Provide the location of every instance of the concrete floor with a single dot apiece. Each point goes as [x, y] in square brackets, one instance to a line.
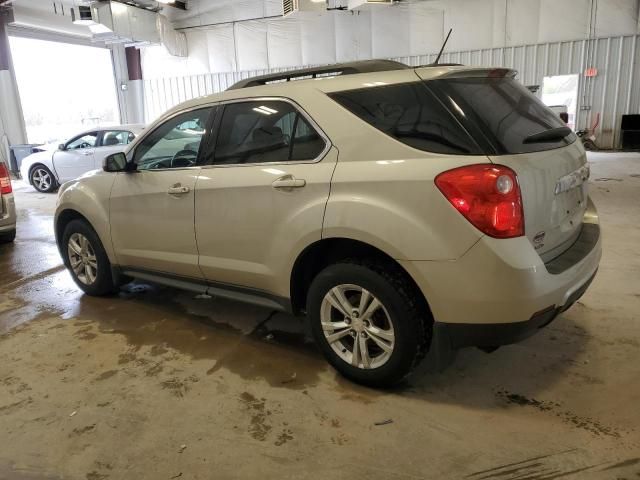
[160, 384]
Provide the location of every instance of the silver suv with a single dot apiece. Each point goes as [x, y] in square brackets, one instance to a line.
[400, 209]
[7, 206]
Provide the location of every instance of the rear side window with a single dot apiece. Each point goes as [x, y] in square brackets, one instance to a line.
[507, 114]
[410, 113]
[265, 132]
[117, 137]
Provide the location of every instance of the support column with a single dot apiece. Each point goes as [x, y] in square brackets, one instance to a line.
[127, 70]
[12, 127]
[135, 87]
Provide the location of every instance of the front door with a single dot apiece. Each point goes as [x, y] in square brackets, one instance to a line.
[76, 158]
[152, 208]
[262, 195]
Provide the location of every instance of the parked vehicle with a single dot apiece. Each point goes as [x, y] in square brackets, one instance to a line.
[7, 206]
[401, 209]
[48, 169]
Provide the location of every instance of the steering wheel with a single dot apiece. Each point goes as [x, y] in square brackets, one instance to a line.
[179, 159]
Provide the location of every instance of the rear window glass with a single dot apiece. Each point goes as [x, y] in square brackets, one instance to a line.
[504, 110]
[410, 113]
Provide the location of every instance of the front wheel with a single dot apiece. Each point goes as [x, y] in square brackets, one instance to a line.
[86, 259]
[42, 179]
[368, 321]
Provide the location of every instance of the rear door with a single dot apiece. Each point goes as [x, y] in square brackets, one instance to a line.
[262, 194]
[526, 136]
[77, 157]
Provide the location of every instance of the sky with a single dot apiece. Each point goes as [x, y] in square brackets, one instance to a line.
[63, 88]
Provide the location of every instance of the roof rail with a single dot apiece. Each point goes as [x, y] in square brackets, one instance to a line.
[351, 68]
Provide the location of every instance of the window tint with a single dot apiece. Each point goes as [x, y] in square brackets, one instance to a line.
[117, 137]
[409, 113]
[85, 141]
[175, 143]
[265, 131]
[506, 112]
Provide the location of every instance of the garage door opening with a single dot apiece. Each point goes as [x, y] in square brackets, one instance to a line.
[64, 88]
[560, 92]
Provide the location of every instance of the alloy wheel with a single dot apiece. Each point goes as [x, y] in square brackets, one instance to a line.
[82, 258]
[41, 179]
[357, 326]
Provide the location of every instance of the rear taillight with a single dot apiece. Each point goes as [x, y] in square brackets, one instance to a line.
[5, 180]
[488, 196]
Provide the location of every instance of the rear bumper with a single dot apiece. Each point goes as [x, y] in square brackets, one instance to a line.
[501, 291]
[459, 335]
[7, 213]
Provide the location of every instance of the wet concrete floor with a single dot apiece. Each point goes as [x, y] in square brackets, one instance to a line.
[157, 383]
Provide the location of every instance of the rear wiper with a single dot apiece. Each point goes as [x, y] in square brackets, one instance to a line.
[548, 135]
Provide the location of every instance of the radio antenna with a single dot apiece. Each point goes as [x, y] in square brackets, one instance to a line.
[442, 49]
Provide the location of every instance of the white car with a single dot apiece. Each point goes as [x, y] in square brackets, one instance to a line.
[49, 169]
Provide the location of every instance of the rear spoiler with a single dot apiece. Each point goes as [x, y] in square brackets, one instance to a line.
[474, 72]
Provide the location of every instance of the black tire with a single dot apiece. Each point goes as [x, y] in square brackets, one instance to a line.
[35, 173]
[103, 283]
[410, 317]
[8, 237]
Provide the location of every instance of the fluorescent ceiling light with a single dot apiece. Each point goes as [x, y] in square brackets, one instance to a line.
[265, 110]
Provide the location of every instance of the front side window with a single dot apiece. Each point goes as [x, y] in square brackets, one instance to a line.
[117, 137]
[265, 132]
[85, 141]
[411, 114]
[175, 143]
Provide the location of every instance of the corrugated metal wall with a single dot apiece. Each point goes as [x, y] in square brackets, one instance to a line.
[613, 92]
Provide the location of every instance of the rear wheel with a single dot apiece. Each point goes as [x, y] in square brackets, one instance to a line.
[86, 259]
[8, 237]
[42, 179]
[368, 322]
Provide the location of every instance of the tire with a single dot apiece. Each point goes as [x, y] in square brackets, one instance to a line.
[8, 237]
[93, 274]
[590, 145]
[42, 179]
[402, 323]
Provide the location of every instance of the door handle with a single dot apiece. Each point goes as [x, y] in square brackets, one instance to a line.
[86, 153]
[289, 181]
[178, 190]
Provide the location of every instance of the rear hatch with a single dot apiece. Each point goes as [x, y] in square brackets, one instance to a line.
[517, 130]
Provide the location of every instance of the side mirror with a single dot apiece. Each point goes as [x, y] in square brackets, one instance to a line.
[61, 147]
[116, 162]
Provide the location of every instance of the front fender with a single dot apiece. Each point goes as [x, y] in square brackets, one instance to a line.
[89, 197]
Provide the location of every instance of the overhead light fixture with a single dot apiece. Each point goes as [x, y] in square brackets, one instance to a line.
[99, 28]
[166, 1]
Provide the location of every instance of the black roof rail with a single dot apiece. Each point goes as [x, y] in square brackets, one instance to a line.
[351, 68]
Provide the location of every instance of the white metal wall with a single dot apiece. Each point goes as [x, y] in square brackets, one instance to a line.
[613, 92]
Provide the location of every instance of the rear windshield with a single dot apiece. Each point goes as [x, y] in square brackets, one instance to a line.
[506, 112]
[410, 113]
[463, 116]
